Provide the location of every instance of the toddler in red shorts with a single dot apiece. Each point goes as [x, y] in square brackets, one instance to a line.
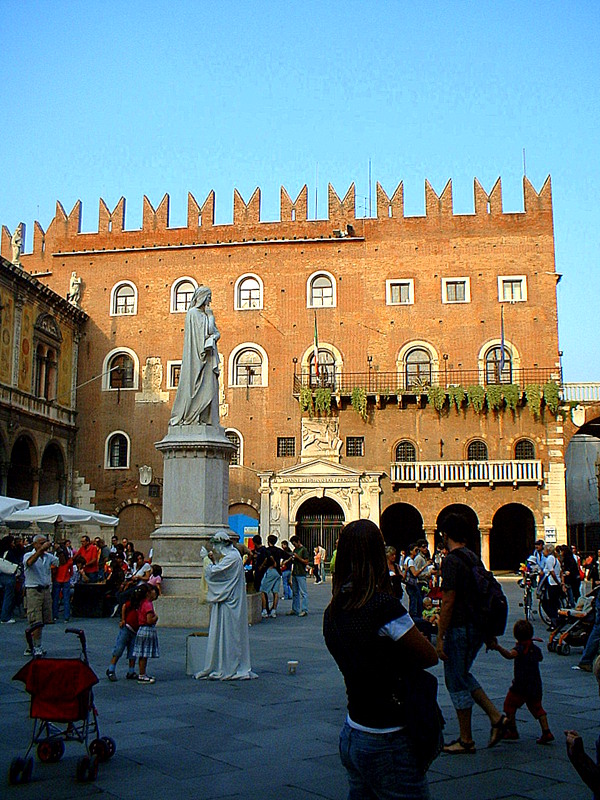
[526, 687]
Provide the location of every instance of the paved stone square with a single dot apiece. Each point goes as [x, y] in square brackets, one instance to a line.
[276, 737]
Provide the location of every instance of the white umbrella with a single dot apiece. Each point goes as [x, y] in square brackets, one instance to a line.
[10, 504]
[57, 512]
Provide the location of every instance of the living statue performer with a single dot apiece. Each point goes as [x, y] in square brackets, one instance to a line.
[228, 649]
[197, 399]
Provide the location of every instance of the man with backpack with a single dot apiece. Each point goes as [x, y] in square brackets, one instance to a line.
[471, 614]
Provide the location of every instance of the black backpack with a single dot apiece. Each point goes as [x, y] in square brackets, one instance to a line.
[491, 607]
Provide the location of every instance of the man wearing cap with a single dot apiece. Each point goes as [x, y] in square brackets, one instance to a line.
[538, 555]
[228, 647]
[38, 564]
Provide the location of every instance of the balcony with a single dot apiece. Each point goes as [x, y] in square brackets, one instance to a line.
[392, 383]
[466, 473]
[581, 392]
[36, 406]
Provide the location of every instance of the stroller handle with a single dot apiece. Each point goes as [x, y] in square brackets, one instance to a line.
[78, 632]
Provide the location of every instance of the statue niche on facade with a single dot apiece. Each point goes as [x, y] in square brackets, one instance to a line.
[197, 399]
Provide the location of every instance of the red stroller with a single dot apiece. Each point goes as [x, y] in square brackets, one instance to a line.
[62, 709]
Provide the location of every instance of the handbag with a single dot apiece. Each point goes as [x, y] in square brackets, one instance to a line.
[540, 591]
[7, 567]
[417, 696]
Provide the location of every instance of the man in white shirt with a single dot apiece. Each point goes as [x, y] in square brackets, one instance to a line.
[38, 563]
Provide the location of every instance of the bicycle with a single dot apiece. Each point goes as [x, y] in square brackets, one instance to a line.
[527, 583]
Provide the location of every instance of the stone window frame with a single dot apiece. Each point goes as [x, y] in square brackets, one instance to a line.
[174, 287]
[106, 387]
[282, 443]
[389, 284]
[240, 449]
[522, 279]
[471, 455]
[355, 442]
[405, 442]
[107, 444]
[452, 280]
[401, 364]
[232, 364]
[490, 344]
[309, 289]
[237, 303]
[524, 441]
[171, 386]
[114, 296]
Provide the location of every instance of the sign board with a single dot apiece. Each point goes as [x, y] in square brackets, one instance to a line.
[550, 535]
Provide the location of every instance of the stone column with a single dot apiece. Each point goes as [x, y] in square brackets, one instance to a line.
[484, 531]
[429, 531]
[265, 504]
[285, 513]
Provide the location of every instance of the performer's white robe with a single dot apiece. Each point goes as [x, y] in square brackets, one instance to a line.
[228, 651]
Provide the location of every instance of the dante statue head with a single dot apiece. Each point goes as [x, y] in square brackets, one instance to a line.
[201, 296]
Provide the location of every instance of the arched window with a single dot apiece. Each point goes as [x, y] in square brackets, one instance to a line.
[321, 290]
[418, 368]
[524, 450]
[248, 293]
[406, 451]
[181, 294]
[477, 451]
[121, 369]
[236, 440]
[46, 364]
[323, 373]
[248, 368]
[123, 300]
[117, 451]
[497, 369]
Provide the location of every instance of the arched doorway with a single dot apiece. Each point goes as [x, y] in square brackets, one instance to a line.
[319, 521]
[52, 478]
[401, 525]
[20, 472]
[471, 524]
[137, 522]
[512, 537]
[242, 516]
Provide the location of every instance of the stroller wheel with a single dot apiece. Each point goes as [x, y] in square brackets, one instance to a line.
[16, 770]
[111, 746]
[566, 649]
[98, 748]
[58, 750]
[45, 751]
[551, 646]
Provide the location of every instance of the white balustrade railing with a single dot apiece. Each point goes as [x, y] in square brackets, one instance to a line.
[466, 472]
[581, 392]
[36, 405]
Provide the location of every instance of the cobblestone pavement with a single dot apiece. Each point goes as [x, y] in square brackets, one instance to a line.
[276, 737]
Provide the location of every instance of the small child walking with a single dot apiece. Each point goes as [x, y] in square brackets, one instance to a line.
[146, 640]
[526, 687]
[128, 628]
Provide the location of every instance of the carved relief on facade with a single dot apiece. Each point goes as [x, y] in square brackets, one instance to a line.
[152, 377]
[320, 439]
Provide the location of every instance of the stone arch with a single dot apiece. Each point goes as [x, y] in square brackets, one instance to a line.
[137, 520]
[401, 525]
[471, 523]
[52, 474]
[512, 536]
[23, 464]
[339, 496]
[319, 520]
[243, 514]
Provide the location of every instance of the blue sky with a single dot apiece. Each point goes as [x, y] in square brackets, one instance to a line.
[103, 99]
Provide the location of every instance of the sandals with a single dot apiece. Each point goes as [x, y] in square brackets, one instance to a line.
[458, 747]
[497, 731]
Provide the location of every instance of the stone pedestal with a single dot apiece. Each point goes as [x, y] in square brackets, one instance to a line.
[195, 506]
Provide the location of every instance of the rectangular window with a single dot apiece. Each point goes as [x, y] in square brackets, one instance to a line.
[173, 371]
[456, 290]
[286, 446]
[355, 445]
[399, 292]
[512, 288]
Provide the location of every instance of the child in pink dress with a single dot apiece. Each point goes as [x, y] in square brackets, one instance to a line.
[146, 640]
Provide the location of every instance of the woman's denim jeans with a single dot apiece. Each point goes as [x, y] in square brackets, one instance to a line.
[381, 766]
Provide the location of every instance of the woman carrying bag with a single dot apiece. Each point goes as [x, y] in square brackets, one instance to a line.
[384, 744]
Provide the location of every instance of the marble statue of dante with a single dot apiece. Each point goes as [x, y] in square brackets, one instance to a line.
[197, 399]
[228, 648]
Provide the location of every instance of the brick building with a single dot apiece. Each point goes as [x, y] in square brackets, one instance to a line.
[438, 367]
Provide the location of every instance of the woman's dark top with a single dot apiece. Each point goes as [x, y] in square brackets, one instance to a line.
[371, 664]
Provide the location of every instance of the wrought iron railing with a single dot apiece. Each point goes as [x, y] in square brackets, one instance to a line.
[391, 383]
[466, 472]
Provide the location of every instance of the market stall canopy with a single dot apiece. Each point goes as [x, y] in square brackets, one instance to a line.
[10, 504]
[57, 512]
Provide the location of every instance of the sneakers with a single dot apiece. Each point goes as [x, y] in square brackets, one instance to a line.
[583, 667]
[273, 615]
[131, 676]
[38, 652]
[264, 613]
[110, 674]
[10, 621]
[146, 679]
[303, 614]
[545, 738]
[291, 614]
